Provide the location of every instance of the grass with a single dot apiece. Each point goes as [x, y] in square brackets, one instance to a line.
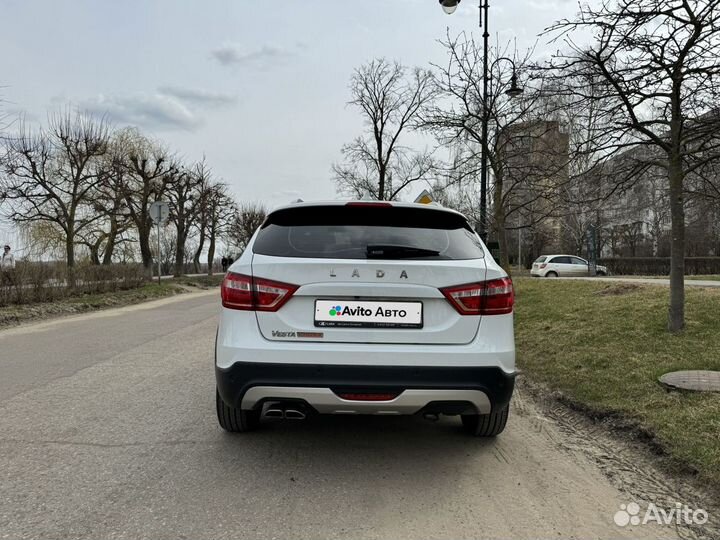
[16, 314]
[707, 277]
[603, 345]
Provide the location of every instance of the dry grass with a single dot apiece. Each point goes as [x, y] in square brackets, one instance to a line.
[21, 313]
[203, 282]
[605, 350]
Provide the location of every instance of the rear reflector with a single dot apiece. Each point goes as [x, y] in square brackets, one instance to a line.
[367, 396]
[494, 297]
[239, 291]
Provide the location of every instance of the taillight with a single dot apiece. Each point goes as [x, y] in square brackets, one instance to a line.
[239, 291]
[543, 265]
[494, 297]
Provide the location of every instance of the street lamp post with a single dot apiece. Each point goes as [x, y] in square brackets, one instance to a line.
[449, 7]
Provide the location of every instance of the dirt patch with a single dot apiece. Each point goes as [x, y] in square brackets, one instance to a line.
[628, 455]
[619, 289]
[200, 282]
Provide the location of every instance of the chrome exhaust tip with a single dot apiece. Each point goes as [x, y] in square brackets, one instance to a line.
[294, 414]
[274, 412]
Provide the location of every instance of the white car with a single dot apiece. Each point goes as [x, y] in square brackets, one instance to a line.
[365, 308]
[563, 266]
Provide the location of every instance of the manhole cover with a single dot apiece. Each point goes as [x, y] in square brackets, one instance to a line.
[697, 381]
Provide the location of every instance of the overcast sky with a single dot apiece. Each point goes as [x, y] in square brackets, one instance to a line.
[259, 87]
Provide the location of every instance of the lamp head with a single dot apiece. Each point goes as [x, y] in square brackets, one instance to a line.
[449, 6]
[514, 90]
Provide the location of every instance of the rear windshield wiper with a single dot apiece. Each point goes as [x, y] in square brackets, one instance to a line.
[380, 251]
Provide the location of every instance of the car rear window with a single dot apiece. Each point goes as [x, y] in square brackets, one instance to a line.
[540, 259]
[345, 232]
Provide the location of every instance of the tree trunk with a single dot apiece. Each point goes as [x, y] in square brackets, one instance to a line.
[211, 254]
[110, 245]
[381, 184]
[503, 246]
[95, 253]
[198, 252]
[676, 312]
[70, 258]
[146, 250]
[70, 251]
[499, 220]
[179, 253]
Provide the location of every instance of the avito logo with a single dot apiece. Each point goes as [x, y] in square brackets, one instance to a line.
[359, 311]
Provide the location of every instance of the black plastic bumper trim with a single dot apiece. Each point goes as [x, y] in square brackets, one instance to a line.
[234, 381]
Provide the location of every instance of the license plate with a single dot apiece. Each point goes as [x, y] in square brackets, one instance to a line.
[366, 314]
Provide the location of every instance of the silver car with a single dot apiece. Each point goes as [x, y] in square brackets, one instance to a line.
[365, 308]
[563, 266]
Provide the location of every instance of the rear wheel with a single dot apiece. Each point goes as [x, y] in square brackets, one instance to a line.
[551, 274]
[486, 425]
[235, 420]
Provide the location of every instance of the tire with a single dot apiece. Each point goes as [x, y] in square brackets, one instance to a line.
[235, 420]
[551, 274]
[601, 274]
[486, 425]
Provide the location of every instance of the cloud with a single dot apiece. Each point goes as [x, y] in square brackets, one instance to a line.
[197, 96]
[169, 107]
[152, 110]
[235, 55]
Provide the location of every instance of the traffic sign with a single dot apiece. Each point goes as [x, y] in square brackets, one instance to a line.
[424, 197]
[159, 212]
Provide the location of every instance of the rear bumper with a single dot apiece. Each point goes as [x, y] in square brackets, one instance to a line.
[240, 342]
[249, 384]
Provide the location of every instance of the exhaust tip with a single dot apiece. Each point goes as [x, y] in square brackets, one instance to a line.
[294, 414]
[274, 413]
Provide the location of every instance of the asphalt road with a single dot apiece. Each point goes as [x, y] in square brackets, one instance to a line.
[108, 430]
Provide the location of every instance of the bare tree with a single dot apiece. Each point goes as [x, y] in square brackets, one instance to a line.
[186, 195]
[390, 101]
[220, 214]
[248, 219]
[112, 192]
[114, 227]
[53, 175]
[526, 171]
[655, 72]
[148, 167]
[205, 194]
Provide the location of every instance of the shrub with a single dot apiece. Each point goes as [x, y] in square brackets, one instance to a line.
[49, 281]
[659, 266]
